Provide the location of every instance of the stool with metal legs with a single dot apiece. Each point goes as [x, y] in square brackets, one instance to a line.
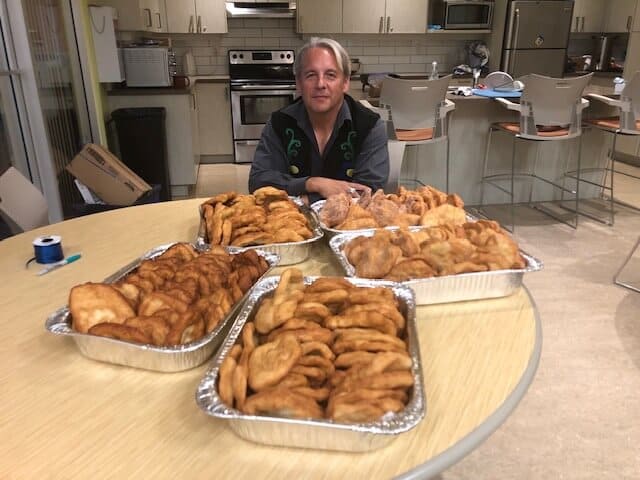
[626, 124]
[419, 111]
[550, 110]
[616, 277]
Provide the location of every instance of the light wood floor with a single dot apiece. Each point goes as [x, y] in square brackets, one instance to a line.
[581, 416]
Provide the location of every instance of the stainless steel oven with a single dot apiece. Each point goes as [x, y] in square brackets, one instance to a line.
[262, 82]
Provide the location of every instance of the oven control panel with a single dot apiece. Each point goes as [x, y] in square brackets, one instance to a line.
[257, 57]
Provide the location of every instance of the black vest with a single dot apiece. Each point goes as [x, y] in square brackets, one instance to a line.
[339, 161]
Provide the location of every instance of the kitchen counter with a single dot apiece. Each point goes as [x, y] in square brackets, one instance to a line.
[122, 90]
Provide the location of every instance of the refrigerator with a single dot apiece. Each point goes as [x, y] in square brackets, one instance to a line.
[536, 37]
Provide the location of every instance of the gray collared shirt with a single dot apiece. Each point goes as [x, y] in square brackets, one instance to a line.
[271, 167]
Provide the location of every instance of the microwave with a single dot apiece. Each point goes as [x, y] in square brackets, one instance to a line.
[462, 14]
[149, 66]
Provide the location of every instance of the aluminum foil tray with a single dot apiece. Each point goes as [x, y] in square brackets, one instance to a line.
[290, 252]
[162, 359]
[449, 288]
[332, 232]
[317, 434]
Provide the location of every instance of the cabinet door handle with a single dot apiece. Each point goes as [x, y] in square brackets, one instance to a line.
[226, 93]
[149, 21]
[380, 28]
[577, 29]
[191, 24]
[629, 19]
[389, 29]
[193, 97]
[199, 24]
[159, 21]
[582, 28]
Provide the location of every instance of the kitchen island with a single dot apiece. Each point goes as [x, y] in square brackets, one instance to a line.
[468, 138]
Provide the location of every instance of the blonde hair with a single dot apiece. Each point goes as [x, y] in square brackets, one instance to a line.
[340, 54]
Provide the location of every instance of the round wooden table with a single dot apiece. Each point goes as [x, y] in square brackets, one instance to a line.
[66, 416]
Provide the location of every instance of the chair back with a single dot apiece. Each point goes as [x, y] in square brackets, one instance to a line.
[630, 110]
[552, 102]
[416, 104]
[22, 202]
[396, 154]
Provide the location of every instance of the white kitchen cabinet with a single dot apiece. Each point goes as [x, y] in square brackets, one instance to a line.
[588, 15]
[319, 17]
[181, 125]
[407, 16]
[619, 17]
[196, 16]
[384, 16]
[214, 118]
[138, 15]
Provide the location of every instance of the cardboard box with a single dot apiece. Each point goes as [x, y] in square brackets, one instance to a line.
[107, 176]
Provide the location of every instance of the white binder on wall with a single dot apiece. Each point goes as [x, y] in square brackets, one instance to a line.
[108, 60]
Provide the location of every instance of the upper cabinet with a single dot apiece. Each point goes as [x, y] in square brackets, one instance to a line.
[138, 15]
[588, 15]
[196, 16]
[619, 16]
[319, 17]
[384, 16]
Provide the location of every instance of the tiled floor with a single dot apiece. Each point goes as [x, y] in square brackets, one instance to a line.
[581, 416]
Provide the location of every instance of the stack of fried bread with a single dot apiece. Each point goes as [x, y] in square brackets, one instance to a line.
[267, 216]
[173, 299]
[426, 206]
[327, 350]
[400, 255]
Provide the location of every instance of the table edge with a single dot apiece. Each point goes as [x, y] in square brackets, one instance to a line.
[472, 440]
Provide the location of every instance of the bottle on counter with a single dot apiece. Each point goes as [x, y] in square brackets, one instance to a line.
[434, 71]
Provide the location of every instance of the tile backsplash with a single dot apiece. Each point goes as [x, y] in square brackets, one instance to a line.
[377, 53]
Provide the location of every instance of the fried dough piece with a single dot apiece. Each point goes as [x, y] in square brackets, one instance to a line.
[235, 352]
[120, 332]
[182, 251]
[444, 214]
[271, 362]
[315, 311]
[93, 303]
[381, 381]
[156, 301]
[305, 335]
[282, 402]
[339, 296]
[411, 268]
[326, 284]
[315, 375]
[225, 381]
[335, 210]
[262, 194]
[130, 291]
[365, 295]
[221, 198]
[318, 362]
[349, 359]
[253, 238]
[367, 319]
[318, 394]
[292, 380]
[311, 348]
[369, 334]
[157, 328]
[239, 385]
[389, 310]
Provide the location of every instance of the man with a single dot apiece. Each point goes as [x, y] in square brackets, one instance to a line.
[324, 143]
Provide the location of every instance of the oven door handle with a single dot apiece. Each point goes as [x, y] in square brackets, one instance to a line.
[262, 87]
[248, 143]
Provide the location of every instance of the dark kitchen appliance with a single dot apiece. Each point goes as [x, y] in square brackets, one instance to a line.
[536, 37]
[262, 81]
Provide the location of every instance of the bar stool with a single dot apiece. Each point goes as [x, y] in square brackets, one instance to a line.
[395, 147]
[626, 123]
[620, 272]
[419, 112]
[550, 110]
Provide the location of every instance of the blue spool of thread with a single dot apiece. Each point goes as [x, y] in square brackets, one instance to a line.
[48, 249]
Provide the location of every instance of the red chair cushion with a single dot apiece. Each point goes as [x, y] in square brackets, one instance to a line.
[609, 122]
[542, 131]
[416, 135]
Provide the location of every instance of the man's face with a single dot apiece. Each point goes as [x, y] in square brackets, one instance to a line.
[321, 83]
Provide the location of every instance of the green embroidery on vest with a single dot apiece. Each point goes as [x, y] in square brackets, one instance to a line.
[347, 147]
[294, 143]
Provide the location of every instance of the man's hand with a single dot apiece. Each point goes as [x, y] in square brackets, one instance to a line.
[328, 186]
